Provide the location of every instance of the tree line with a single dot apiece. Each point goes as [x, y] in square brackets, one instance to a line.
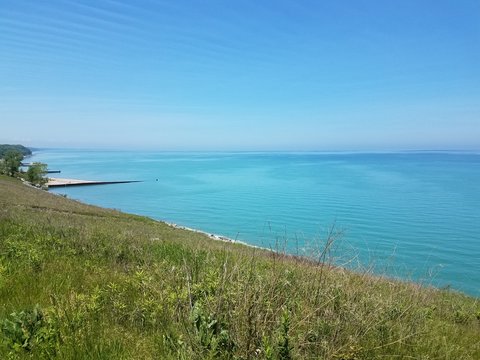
[4, 148]
[11, 157]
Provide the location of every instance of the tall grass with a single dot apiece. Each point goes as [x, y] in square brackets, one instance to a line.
[79, 282]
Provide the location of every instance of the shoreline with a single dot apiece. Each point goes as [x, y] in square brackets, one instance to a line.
[296, 257]
[64, 182]
[216, 237]
[212, 236]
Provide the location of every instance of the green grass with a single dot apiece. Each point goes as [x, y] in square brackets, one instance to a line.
[82, 282]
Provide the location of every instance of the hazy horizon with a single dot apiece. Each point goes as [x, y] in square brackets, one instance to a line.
[253, 151]
[246, 76]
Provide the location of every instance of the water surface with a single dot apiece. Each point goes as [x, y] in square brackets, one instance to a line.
[411, 215]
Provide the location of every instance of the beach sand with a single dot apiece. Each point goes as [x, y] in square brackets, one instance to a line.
[65, 182]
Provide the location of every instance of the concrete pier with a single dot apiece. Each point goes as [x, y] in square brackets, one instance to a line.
[58, 182]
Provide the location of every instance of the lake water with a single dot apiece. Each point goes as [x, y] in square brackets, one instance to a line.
[409, 215]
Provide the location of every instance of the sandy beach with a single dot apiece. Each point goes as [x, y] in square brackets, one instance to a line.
[66, 182]
[56, 182]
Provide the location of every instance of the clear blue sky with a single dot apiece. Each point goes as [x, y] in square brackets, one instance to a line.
[241, 75]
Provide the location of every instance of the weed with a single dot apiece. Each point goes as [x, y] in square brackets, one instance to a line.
[27, 329]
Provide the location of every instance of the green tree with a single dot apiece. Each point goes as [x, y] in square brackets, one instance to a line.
[36, 174]
[11, 162]
[4, 148]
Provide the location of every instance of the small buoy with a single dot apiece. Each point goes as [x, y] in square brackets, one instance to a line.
[156, 180]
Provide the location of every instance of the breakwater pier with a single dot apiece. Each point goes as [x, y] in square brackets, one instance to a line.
[60, 182]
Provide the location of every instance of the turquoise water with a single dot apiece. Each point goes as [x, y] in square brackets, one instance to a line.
[409, 215]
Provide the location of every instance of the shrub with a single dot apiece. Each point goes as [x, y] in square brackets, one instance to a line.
[36, 174]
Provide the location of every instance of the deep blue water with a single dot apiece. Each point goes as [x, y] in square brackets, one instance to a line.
[409, 215]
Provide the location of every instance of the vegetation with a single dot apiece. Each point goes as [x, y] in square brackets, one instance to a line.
[77, 281]
[11, 157]
[4, 148]
[10, 163]
[36, 174]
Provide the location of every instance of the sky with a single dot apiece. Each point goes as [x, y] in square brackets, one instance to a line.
[241, 75]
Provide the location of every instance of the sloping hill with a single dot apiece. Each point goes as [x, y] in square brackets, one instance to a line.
[78, 281]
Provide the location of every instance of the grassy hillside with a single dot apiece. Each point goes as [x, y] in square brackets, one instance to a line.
[77, 281]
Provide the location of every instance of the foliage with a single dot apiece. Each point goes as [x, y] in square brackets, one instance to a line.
[4, 148]
[115, 286]
[36, 174]
[284, 347]
[11, 157]
[11, 162]
[29, 330]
